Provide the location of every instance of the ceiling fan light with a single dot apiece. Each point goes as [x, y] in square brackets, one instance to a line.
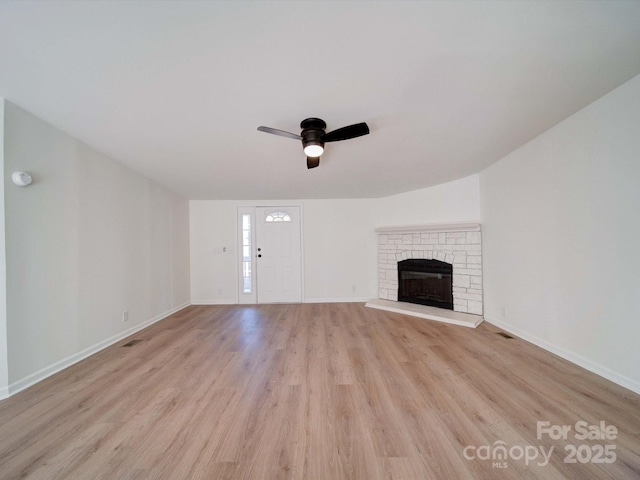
[313, 150]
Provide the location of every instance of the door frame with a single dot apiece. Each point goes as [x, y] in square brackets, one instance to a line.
[250, 209]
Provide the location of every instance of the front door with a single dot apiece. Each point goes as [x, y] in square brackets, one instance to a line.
[278, 255]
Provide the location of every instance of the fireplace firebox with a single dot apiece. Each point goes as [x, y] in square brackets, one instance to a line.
[426, 282]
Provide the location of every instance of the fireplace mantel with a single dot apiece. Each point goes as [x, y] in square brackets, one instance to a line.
[433, 227]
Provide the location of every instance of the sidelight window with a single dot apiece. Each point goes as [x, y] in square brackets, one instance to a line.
[246, 253]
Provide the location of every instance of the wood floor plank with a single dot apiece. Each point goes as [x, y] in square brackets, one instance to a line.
[314, 392]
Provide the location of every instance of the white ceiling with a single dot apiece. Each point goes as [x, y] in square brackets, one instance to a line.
[176, 90]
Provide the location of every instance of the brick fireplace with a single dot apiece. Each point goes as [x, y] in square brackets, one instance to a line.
[458, 244]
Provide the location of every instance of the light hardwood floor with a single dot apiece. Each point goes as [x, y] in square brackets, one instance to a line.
[313, 391]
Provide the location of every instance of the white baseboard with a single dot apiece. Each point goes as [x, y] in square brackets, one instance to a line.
[43, 373]
[4, 393]
[579, 360]
[216, 301]
[229, 301]
[337, 300]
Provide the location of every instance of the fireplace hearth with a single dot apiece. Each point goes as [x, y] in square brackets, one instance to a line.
[425, 282]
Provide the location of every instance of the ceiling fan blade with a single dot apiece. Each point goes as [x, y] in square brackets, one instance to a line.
[345, 133]
[282, 133]
[313, 162]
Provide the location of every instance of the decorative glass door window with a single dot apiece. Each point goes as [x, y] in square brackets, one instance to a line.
[278, 217]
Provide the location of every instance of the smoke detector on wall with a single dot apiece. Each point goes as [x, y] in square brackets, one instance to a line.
[21, 179]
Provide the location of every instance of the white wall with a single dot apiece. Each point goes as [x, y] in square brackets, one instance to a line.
[457, 201]
[561, 235]
[339, 240]
[340, 250]
[86, 241]
[212, 225]
[4, 365]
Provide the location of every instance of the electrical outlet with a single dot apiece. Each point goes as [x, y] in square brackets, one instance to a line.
[125, 315]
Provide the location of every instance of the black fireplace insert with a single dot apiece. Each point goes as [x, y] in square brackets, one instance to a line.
[426, 282]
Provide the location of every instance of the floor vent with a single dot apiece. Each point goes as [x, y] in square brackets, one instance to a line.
[505, 335]
[131, 343]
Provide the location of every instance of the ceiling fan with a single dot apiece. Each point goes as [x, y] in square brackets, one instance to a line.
[314, 137]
